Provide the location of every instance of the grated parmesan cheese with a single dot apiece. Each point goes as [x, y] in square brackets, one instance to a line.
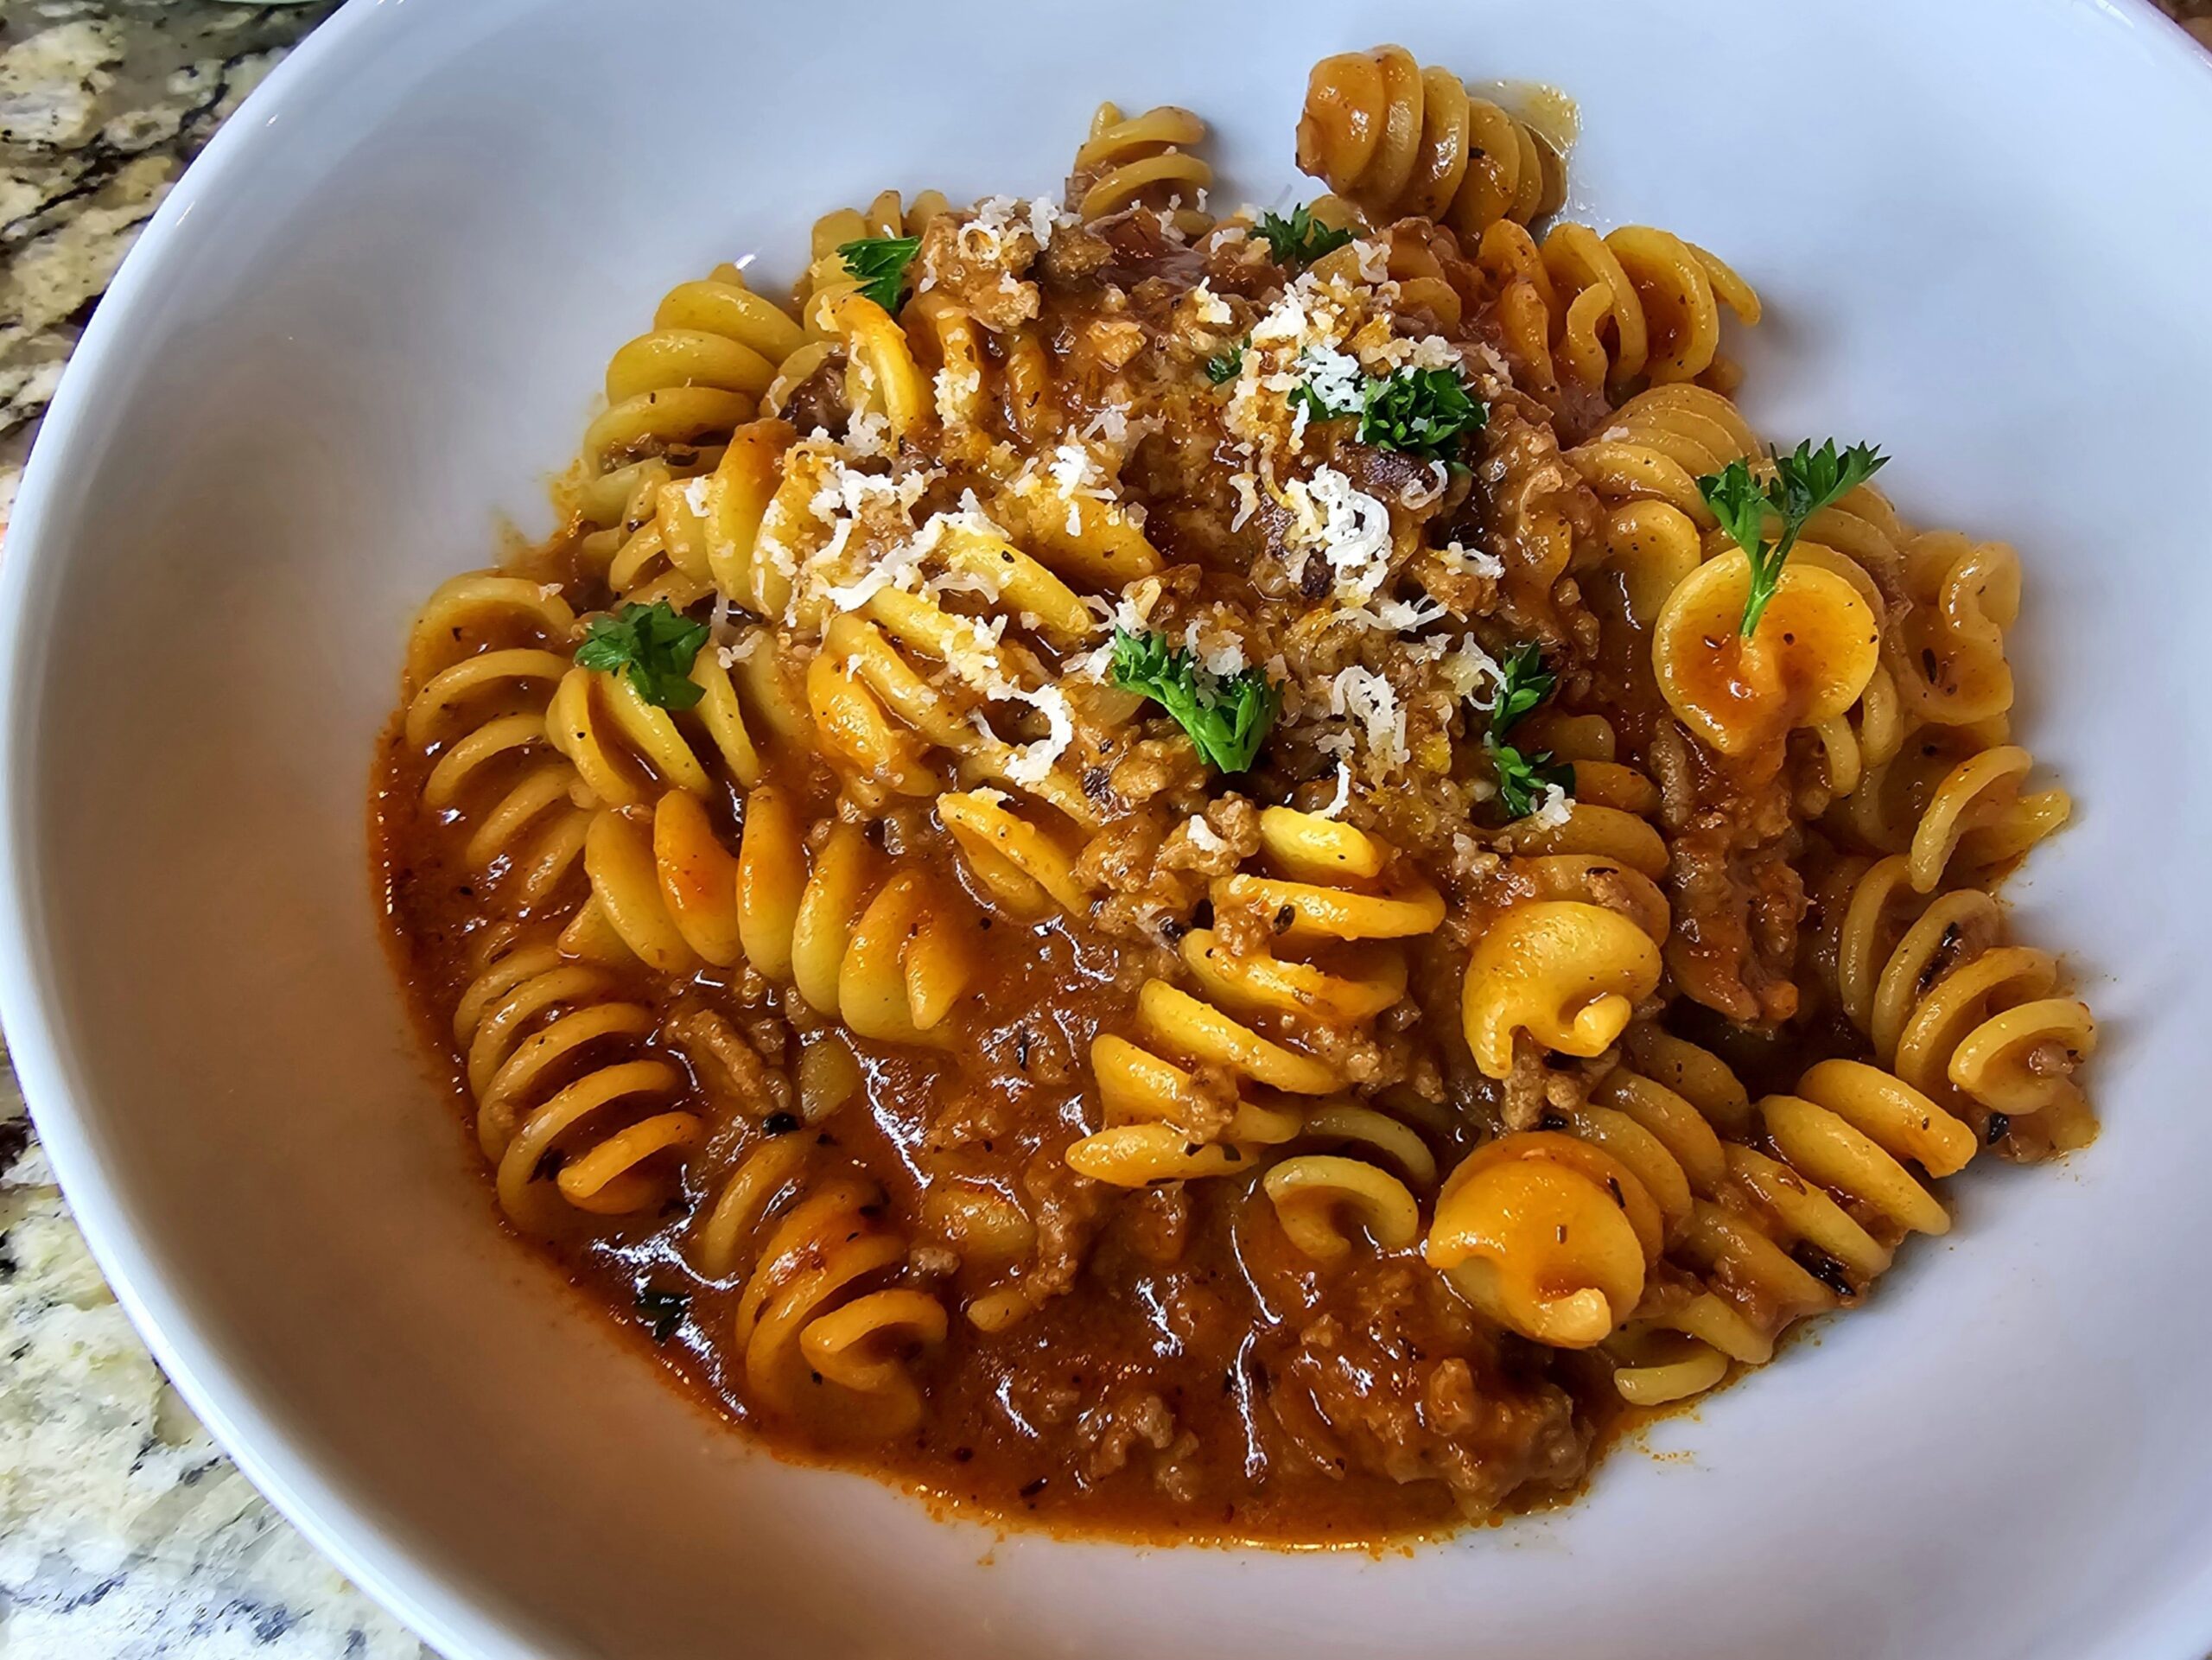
[1332, 516]
[896, 569]
[1210, 307]
[1418, 496]
[1551, 811]
[1111, 423]
[1247, 499]
[695, 495]
[956, 391]
[1334, 377]
[985, 236]
[1467, 670]
[1394, 616]
[1343, 794]
[1220, 654]
[1288, 323]
[867, 434]
[1471, 562]
[1369, 701]
[1031, 763]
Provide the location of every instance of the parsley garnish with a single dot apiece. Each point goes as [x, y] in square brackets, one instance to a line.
[880, 263]
[1317, 406]
[1804, 481]
[1226, 367]
[654, 644]
[1417, 411]
[1227, 719]
[1521, 779]
[1524, 682]
[1300, 240]
[1421, 412]
[663, 1311]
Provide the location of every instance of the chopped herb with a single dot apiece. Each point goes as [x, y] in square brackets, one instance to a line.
[1416, 411]
[654, 644]
[1421, 412]
[663, 1311]
[1300, 240]
[1804, 481]
[1524, 683]
[1227, 719]
[1521, 779]
[880, 263]
[1226, 367]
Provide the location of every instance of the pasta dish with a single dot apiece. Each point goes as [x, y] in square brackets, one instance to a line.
[1227, 874]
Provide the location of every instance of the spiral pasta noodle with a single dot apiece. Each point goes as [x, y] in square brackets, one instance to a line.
[700, 371]
[484, 712]
[621, 744]
[1129, 161]
[1335, 911]
[1369, 1165]
[888, 951]
[1636, 1218]
[822, 1310]
[1973, 1021]
[1399, 141]
[567, 1099]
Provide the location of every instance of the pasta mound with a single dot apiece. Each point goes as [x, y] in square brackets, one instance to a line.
[1234, 876]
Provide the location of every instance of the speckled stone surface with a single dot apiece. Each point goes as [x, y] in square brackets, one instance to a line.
[102, 103]
[125, 1534]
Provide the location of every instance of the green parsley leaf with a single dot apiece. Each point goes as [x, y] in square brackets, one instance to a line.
[1421, 412]
[654, 644]
[1737, 501]
[1805, 481]
[880, 264]
[1300, 240]
[1317, 406]
[1225, 368]
[1526, 683]
[1812, 479]
[1521, 779]
[1227, 720]
[663, 1311]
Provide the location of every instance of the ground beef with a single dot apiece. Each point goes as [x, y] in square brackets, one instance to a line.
[1357, 1391]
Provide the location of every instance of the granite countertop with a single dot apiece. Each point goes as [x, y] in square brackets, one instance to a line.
[125, 1533]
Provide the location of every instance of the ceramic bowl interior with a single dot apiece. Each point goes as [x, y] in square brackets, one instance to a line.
[371, 321]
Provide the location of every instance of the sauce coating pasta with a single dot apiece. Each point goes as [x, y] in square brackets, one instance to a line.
[1233, 876]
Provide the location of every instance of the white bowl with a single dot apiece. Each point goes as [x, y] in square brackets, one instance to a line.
[374, 316]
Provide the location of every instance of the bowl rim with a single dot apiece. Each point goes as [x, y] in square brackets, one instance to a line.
[415, 1590]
